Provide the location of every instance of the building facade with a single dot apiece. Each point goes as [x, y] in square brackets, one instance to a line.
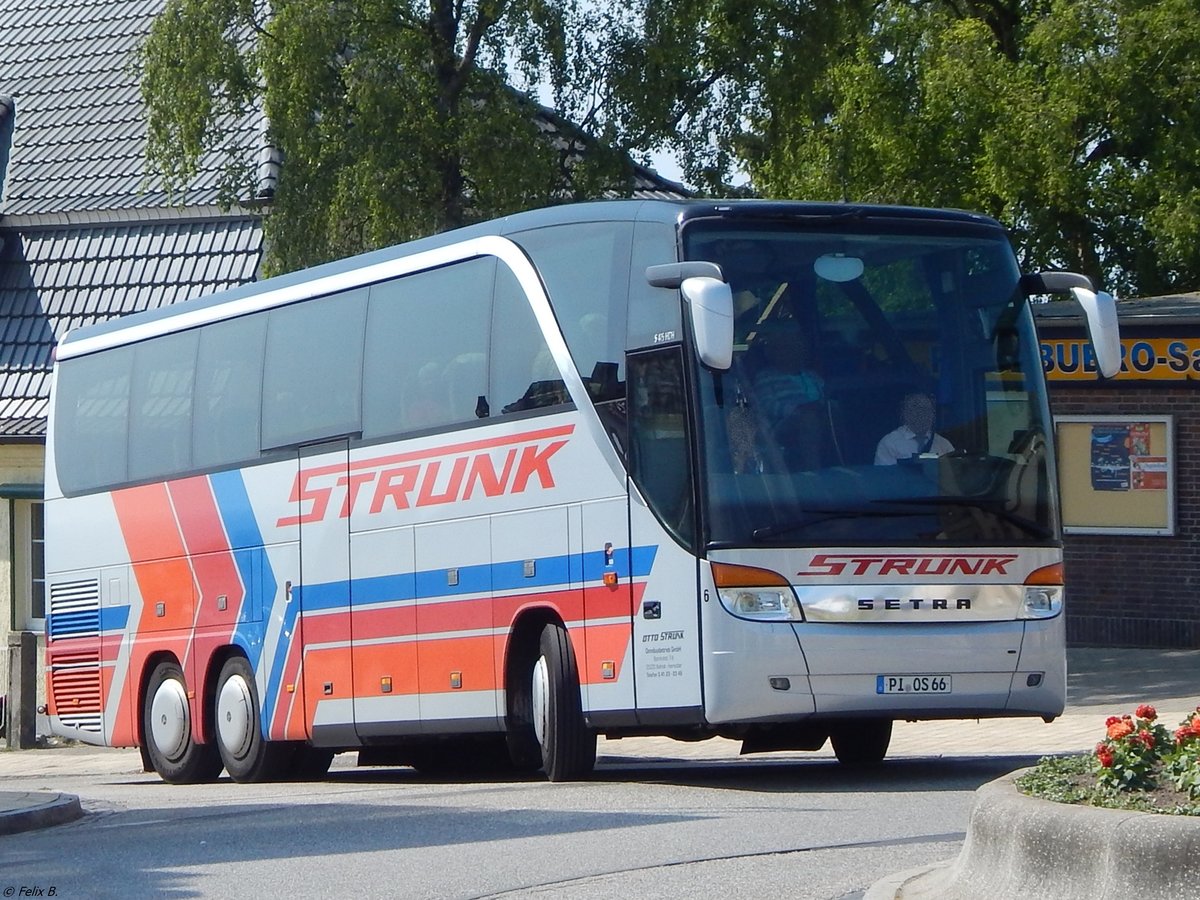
[1132, 513]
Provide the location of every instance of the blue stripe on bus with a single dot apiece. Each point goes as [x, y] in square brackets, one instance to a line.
[549, 572]
[114, 618]
[104, 620]
[246, 541]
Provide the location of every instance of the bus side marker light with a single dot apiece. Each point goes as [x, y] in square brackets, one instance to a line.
[456, 680]
[291, 688]
[610, 579]
[608, 669]
[780, 684]
[385, 684]
[1033, 680]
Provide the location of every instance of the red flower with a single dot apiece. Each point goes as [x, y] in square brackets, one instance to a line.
[1111, 721]
[1120, 729]
[1146, 711]
[1146, 738]
[1105, 755]
[1182, 734]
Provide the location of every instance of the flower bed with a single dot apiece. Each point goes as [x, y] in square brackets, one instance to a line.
[1139, 765]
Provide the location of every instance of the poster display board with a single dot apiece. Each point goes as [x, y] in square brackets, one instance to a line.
[1116, 474]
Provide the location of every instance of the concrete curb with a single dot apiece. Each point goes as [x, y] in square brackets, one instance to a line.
[25, 811]
[1024, 847]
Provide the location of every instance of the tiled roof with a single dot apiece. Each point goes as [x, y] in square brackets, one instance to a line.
[79, 137]
[57, 279]
[87, 234]
[1170, 309]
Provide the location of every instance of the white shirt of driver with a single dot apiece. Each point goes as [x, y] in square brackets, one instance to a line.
[904, 443]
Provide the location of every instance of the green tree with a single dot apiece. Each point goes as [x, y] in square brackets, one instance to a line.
[395, 118]
[1075, 122]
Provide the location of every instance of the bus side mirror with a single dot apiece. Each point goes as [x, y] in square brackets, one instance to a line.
[1100, 313]
[710, 303]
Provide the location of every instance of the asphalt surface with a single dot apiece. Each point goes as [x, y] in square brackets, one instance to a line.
[1101, 682]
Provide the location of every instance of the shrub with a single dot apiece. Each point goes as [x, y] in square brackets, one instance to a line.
[1138, 765]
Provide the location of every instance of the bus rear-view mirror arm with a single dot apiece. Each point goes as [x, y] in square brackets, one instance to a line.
[1099, 311]
[710, 307]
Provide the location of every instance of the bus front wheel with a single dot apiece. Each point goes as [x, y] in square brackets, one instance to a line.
[861, 743]
[248, 756]
[568, 746]
[167, 730]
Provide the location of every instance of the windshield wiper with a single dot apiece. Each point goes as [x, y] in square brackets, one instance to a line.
[992, 507]
[769, 531]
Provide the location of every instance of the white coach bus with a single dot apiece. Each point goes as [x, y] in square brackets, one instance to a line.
[637, 467]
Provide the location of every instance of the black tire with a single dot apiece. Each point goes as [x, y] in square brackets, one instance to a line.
[167, 730]
[247, 755]
[568, 746]
[861, 743]
[524, 751]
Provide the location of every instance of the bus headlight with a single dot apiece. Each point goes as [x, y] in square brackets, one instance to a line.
[1043, 593]
[1042, 602]
[752, 593]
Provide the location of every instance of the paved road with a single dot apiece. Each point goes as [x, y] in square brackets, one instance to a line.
[662, 819]
[646, 827]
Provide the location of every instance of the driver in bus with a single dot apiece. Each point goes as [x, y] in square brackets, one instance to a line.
[915, 438]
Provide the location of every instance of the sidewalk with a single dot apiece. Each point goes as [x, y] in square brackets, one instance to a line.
[1102, 682]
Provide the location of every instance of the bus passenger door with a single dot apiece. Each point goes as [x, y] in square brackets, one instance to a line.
[662, 521]
[325, 489]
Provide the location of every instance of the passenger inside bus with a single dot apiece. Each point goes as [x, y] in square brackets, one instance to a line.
[789, 392]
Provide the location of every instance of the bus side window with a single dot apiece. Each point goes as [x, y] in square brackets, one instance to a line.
[659, 452]
[312, 378]
[160, 421]
[425, 357]
[585, 267]
[523, 373]
[92, 420]
[229, 371]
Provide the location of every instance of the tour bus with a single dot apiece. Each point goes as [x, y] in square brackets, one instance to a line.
[600, 469]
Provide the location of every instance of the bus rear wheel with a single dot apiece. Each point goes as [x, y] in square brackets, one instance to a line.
[247, 755]
[567, 745]
[861, 743]
[167, 730]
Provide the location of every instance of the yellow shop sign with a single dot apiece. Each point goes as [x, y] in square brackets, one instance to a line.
[1142, 359]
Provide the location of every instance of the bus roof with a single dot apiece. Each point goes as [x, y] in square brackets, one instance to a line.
[666, 211]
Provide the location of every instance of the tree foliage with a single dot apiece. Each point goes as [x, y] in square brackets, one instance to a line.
[1075, 122]
[395, 118]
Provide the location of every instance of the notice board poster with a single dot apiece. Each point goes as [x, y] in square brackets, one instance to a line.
[1116, 474]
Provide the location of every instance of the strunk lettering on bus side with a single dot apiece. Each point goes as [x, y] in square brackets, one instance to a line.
[418, 482]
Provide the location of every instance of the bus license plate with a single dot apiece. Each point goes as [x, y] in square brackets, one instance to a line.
[912, 684]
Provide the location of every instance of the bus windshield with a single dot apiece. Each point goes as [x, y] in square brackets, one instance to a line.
[886, 388]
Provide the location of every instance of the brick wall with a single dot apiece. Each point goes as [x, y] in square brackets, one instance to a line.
[1130, 590]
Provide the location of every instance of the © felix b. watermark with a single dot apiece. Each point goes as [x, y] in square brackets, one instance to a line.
[30, 890]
